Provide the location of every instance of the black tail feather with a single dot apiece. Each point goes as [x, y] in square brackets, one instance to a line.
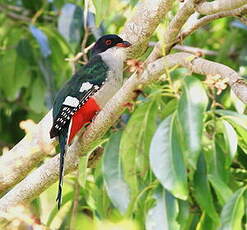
[62, 143]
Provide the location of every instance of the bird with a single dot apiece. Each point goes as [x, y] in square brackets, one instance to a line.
[86, 93]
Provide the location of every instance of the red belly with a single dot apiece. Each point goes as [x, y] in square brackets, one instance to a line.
[83, 116]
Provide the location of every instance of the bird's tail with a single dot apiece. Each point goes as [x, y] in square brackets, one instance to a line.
[62, 143]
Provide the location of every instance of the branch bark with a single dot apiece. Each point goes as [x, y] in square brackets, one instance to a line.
[219, 5]
[28, 153]
[141, 26]
[47, 174]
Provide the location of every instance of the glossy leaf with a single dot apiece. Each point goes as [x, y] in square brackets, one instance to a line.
[230, 137]
[184, 214]
[239, 121]
[136, 141]
[216, 158]
[191, 108]
[70, 24]
[166, 158]
[164, 213]
[116, 187]
[42, 40]
[223, 192]
[233, 211]
[202, 190]
[169, 108]
[66, 198]
[206, 223]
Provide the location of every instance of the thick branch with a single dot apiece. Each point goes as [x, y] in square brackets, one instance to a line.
[30, 151]
[219, 5]
[47, 174]
[141, 26]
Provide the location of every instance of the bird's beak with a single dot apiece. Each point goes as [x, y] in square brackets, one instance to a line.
[123, 44]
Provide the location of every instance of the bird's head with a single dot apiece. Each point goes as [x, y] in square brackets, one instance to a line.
[108, 41]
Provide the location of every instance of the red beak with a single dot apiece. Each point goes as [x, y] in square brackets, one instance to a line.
[123, 44]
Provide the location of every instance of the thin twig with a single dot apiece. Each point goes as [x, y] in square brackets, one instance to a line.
[190, 49]
[15, 16]
[206, 19]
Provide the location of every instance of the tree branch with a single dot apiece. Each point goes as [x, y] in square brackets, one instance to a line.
[149, 13]
[28, 153]
[219, 5]
[172, 31]
[47, 174]
[206, 19]
[190, 49]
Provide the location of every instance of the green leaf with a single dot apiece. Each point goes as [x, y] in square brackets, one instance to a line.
[102, 8]
[231, 138]
[135, 143]
[42, 40]
[32, 4]
[216, 159]
[66, 198]
[206, 223]
[70, 24]
[229, 113]
[238, 121]
[223, 192]
[202, 190]
[37, 92]
[116, 187]
[169, 108]
[191, 108]
[14, 69]
[184, 214]
[233, 211]
[164, 213]
[83, 170]
[166, 158]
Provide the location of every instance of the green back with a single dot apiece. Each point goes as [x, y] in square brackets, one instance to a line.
[95, 72]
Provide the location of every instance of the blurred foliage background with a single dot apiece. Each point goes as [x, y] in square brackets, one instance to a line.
[177, 161]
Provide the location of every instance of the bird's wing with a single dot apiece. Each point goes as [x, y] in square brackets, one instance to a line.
[85, 83]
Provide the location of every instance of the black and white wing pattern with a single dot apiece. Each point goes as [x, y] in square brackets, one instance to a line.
[83, 85]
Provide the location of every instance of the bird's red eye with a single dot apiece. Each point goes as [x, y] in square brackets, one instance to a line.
[108, 42]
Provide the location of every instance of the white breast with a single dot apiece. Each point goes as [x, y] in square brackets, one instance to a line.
[114, 58]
